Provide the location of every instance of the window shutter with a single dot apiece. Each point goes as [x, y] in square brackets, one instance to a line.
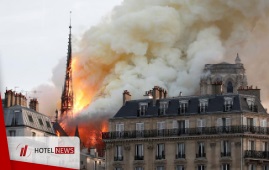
[199, 123]
[244, 121]
[175, 124]
[228, 121]
[222, 146]
[187, 122]
[219, 122]
[254, 121]
[203, 122]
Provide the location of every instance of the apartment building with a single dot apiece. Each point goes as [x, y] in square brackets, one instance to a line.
[224, 129]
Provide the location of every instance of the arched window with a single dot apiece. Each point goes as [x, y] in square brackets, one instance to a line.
[230, 88]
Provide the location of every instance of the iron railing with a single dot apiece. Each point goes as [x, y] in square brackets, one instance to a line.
[138, 157]
[178, 156]
[160, 156]
[256, 154]
[200, 155]
[186, 131]
[118, 158]
[225, 154]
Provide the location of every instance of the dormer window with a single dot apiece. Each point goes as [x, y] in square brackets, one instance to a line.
[142, 109]
[203, 105]
[251, 104]
[183, 107]
[228, 104]
[163, 108]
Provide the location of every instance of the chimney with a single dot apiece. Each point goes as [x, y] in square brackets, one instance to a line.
[155, 94]
[164, 94]
[9, 98]
[161, 93]
[126, 96]
[250, 91]
[34, 104]
[217, 88]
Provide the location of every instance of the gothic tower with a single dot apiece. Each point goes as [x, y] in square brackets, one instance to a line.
[67, 93]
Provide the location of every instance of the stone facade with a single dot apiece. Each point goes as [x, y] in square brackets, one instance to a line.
[226, 131]
[230, 76]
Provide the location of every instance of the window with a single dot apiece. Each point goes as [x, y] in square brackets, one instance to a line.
[252, 167]
[224, 124]
[119, 129]
[142, 109]
[14, 120]
[201, 150]
[33, 134]
[180, 167]
[180, 150]
[163, 108]
[30, 118]
[203, 105]
[160, 168]
[228, 104]
[263, 125]
[183, 107]
[230, 88]
[265, 146]
[12, 132]
[251, 104]
[200, 167]
[139, 152]
[118, 153]
[160, 153]
[139, 129]
[225, 167]
[40, 122]
[251, 145]
[138, 168]
[48, 124]
[265, 167]
[118, 168]
[160, 128]
[201, 125]
[225, 148]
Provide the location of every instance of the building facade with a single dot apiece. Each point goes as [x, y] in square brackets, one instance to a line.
[220, 130]
[23, 121]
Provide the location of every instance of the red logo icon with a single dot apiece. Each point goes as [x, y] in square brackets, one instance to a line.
[24, 150]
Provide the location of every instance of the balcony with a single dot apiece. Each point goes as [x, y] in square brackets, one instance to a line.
[158, 157]
[186, 132]
[225, 154]
[118, 158]
[256, 154]
[200, 155]
[138, 157]
[180, 156]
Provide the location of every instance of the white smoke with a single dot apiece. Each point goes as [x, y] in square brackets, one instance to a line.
[143, 43]
[166, 43]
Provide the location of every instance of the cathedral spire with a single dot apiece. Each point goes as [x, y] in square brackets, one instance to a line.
[67, 93]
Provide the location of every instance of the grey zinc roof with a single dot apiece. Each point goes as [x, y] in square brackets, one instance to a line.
[19, 116]
[215, 105]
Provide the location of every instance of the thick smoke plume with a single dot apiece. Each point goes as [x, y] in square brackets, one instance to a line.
[143, 43]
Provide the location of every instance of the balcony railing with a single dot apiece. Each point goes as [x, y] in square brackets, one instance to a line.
[138, 157]
[186, 131]
[200, 155]
[160, 157]
[225, 154]
[180, 156]
[118, 158]
[256, 154]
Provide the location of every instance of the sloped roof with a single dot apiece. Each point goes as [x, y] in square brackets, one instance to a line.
[58, 128]
[215, 105]
[23, 116]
